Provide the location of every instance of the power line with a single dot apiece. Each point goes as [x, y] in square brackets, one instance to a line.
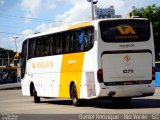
[12, 33]
[29, 18]
[12, 27]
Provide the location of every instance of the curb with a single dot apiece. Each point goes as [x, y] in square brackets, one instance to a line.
[10, 86]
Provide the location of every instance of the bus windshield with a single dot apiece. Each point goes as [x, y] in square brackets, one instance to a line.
[125, 30]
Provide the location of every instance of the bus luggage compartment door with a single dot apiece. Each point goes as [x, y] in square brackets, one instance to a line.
[126, 66]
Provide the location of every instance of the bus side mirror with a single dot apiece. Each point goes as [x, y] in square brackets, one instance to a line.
[21, 55]
[17, 55]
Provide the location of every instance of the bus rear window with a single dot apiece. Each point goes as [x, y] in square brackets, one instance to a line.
[125, 30]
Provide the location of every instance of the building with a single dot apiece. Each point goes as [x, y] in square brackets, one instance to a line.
[106, 12]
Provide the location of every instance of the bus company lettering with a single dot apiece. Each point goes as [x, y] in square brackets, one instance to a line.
[72, 61]
[127, 45]
[127, 32]
[126, 37]
[46, 64]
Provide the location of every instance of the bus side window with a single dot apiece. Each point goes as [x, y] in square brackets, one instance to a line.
[39, 47]
[53, 44]
[89, 40]
[23, 59]
[24, 49]
[84, 39]
[58, 44]
[47, 45]
[43, 46]
[31, 49]
[81, 39]
[67, 43]
[50, 45]
[76, 42]
[72, 42]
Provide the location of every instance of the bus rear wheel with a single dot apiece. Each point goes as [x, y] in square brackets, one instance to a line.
[35, 97]
[74, 96]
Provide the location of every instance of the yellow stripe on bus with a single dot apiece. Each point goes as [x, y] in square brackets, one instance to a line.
[71, 70]
[79, 25]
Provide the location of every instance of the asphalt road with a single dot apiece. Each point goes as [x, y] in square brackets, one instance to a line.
[12, 101]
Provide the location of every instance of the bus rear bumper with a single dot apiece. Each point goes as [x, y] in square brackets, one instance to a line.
[127, 91]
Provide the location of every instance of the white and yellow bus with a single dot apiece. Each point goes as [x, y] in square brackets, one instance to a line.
[109, 58]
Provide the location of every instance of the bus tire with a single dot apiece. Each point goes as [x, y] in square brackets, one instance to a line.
[74, 96]
[35, 97]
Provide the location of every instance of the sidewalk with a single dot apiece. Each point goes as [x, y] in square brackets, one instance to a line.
[10, 86]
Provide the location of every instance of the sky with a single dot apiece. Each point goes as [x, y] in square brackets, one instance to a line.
[20, 18]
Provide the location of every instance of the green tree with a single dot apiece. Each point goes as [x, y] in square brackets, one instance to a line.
[4, 54]
[153, 14]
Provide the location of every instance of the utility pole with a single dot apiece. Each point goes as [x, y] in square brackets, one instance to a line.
[8, 58]
[92, 7]
[15, 38]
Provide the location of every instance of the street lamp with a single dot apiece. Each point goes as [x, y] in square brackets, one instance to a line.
[92, 7]
[15, 38]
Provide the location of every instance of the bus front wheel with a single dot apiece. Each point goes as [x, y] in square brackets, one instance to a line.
[36, 98]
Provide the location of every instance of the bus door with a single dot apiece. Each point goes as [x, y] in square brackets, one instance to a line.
[24, 77]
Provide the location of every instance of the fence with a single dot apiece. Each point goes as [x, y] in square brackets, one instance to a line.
[6, 61]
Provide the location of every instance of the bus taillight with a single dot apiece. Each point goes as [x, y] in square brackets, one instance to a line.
[153, 73]
[100, 75]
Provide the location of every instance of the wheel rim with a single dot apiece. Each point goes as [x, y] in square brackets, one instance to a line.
[33, 92]
[74, 94]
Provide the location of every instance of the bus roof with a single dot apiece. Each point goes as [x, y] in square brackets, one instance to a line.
[61, 28]
[77, 25]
